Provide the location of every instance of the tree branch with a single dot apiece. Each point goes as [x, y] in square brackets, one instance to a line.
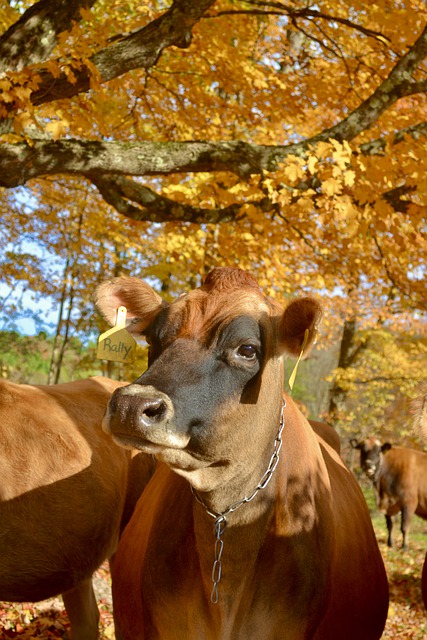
[277, 8]
[32, 38]
[138, 50]
[396, 85]
[121, 192]
[21, 162]
[376, 147]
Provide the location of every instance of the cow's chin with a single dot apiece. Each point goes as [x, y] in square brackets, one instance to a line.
[202, 474]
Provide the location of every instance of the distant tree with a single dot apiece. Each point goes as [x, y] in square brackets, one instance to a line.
[26, 359]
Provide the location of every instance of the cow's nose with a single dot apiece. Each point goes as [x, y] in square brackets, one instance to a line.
[138, 408]
[140, 416]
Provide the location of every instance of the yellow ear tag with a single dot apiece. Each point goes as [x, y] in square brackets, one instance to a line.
[117, 344]
[294, 372]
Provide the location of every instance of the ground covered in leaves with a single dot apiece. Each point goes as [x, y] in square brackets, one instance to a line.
[48, 619]
[407, 619]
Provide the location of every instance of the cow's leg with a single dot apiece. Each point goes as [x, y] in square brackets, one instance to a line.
[389, 523]
[407, 514]
[82, 610]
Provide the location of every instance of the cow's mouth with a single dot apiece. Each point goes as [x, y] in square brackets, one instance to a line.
[134, 442]
[155, 443]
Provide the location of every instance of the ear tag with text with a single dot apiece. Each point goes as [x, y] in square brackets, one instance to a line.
[117, 344]
[294, 372]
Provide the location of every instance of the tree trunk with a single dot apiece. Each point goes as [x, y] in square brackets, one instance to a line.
[349, 351]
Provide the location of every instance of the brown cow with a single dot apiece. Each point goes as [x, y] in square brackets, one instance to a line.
[65, 490]
[419, 409]
[291, 554]
[399, 476]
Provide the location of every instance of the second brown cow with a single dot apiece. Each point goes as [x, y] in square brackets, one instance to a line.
[399, 476]
[66, 492]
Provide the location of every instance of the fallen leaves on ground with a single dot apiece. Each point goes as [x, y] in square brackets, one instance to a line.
[48, 619]
[407, 618]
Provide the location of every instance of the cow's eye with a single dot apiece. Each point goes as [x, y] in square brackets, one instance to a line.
[247, 351]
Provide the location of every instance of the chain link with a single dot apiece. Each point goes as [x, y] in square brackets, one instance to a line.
[220, 518]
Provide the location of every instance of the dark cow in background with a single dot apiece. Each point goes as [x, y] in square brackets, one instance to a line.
[399, 476]
[66, 492]
[251, 526]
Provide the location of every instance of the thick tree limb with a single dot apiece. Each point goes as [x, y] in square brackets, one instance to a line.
[32, 38]
[21, 162]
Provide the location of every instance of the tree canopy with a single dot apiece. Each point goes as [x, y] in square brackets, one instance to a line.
[301, 124]
[163, 138]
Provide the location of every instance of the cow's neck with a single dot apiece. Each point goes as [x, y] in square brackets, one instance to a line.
[240, 511]
[253, 468]
[225, 562]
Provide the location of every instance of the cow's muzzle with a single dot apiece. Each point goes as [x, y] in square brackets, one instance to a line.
[140, 416]
[370, 469]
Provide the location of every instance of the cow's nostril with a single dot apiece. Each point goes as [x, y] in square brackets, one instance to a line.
[155, 410]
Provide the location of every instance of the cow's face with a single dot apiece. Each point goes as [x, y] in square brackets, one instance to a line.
[371, 451]
[214, 376]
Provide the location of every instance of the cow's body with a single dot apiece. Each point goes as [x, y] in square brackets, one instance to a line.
[419, 410]
[299, 560]
[399, 475]
[65, 493]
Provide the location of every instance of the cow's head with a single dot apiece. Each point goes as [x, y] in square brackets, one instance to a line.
[214, 380]
[371, 451]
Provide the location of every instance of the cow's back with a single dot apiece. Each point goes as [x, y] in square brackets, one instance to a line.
[326, 433]
[63, 486]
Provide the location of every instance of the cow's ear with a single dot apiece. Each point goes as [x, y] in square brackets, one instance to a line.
[298, 325]
[386, 447]
[355, 444]
[141, 301]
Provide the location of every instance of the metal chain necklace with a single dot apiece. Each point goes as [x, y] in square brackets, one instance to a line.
[220, 518]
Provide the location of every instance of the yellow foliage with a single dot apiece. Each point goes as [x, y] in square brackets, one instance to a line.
[331, 186]
[319, 223]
